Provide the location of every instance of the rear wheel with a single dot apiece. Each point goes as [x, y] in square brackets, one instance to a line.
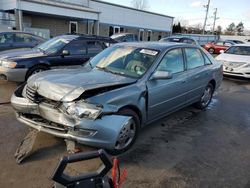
[211, 50]
[206, 97]
[34, 70]
[128, 133]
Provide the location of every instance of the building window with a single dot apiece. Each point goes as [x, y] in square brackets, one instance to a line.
[141, 34]
[90, 27]
[149, 35]
[111, 30]
[159, 36]
[116, 29]
[73, 27]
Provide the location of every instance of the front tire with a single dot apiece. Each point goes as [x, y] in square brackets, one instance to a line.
[206, 97]
[34, 70]
[211, 50]
[128, 134]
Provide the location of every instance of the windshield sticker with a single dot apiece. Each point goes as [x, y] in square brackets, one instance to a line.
[149, 52]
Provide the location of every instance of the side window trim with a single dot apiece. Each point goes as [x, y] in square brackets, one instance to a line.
[205, 57]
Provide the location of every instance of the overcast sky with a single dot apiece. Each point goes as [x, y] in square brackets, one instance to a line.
[192, 12]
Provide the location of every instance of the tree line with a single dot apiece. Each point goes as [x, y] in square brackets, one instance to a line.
[232, 29]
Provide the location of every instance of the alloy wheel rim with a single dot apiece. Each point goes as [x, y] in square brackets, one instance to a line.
[211, 51]
[206, 96]
[37, 71]
[126, 135]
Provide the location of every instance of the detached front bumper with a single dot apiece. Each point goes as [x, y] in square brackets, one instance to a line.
[15, 75]
[43, 117]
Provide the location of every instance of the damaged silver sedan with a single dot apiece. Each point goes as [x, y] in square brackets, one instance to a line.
[125, 87]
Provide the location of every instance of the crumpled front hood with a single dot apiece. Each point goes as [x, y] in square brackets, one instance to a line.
[21, 54]
[68, 84]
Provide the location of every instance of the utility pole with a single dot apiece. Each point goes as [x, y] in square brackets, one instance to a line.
[20, 19]
[205, 21]
[215, 18]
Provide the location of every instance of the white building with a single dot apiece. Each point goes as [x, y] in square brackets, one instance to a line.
[85, 16]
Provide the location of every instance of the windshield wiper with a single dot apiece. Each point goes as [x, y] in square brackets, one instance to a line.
[108, 70]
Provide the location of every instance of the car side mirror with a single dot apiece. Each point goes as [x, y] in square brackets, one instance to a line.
[65, 53]
[162, 75]
[222, 51]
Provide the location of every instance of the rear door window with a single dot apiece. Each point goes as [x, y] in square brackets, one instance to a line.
[129, 38]
[194, 58]
[23, 38]
[94, 47]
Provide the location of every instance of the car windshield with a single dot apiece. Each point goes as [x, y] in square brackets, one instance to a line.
[238, 50]
[55, 44]
[125, 60]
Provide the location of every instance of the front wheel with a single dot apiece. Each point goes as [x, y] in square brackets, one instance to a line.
[128, 133]
[34, 70]
[206, 97]
[211, 50]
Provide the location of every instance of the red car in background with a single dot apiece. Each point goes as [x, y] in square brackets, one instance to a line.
[216, 47]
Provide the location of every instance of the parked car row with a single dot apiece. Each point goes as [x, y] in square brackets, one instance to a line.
[123, 88]
[110, 97]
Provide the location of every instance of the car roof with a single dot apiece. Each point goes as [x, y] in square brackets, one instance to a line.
[155, 45]
[122, 34]
[15, 31]
[178, 37]
[88, 37]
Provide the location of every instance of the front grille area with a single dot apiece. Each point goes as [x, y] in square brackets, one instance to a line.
[233, 64]
[34, 97]
[31, 94]
[233, 73]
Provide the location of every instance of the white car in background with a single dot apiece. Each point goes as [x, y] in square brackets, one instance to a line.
[236, 60]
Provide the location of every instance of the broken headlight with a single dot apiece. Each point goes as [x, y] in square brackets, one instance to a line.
[81, 110]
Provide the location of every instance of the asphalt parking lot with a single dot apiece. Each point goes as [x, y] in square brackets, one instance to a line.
[189, 148]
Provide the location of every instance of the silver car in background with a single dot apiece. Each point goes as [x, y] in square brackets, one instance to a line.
[122, 89]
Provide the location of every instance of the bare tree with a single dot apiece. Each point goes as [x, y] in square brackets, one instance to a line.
[240, 28]
[140, 4]
[218, 30]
